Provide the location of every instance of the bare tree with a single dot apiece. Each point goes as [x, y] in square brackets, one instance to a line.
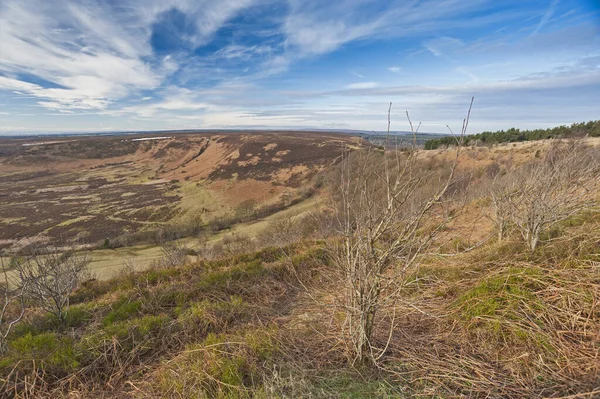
[13, 303]
[500, 190]
[174, 255]
[551, 189]
[50, 277]
[280, 231]
[387, 212]
[246, 209]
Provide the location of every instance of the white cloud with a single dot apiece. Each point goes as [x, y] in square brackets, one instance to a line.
[91, 61]
[362, 85]
[94, 52]
[174, 101]
[235, 51]
[546, 17]
[16, 85]
[395, 69]
[442, 46]
[58, 99]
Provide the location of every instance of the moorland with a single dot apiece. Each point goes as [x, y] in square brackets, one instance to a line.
[139, 191]
[298, 264]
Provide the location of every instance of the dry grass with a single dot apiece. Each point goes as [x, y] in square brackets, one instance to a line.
[500, 323]
[496, 322]
[478, 319]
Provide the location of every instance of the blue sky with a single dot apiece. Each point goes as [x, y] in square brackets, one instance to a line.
[85, 65]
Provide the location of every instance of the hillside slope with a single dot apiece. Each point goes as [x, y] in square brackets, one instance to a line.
[478, 316]
[90, 189]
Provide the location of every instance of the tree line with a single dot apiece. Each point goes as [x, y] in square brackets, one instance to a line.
[591, 128]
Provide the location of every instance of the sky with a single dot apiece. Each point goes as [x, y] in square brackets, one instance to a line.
[121, 65]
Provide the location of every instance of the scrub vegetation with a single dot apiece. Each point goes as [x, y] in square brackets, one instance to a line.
[464, 272]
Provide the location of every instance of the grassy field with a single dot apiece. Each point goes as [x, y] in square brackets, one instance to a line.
[494, 322]
[106, 263]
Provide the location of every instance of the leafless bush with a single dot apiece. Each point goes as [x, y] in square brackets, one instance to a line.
[281, 231]
[551, 189]
[500, 191]
[386, 212]
[380, 218]
[204, 248]
[12, 307]
[236, 243]
[173, 255]
[50, 277]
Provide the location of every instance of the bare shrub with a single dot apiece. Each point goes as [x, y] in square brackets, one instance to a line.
[237, 243]
[387, 211]
[381, 218]
[499, 190]
[204, 248]
[12, 307]
[51, 276]
[173, 255]
[281, 231]
[551, 189]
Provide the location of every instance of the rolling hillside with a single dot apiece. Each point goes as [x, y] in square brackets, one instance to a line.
[91, 189]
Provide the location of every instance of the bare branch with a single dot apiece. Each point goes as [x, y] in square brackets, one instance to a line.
[50, 277]
[387, 213]
[12, 307]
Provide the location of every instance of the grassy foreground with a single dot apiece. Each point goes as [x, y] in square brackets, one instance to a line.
[495, 321]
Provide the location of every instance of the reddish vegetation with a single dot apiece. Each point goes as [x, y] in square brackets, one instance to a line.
[92, 188]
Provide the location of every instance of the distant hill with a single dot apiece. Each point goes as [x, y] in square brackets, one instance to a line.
[350, 132]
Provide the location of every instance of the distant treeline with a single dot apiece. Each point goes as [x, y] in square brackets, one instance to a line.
[401, 140]
[591, 128]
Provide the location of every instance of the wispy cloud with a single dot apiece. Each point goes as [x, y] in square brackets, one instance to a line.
[235, 51]
[546, 17]
[175, 63]
[362, 85]
[440, 47]
[584, 73]
[96, 53]
[312, 29]
[358, 75]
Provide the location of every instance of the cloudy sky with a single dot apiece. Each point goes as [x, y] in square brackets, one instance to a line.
[102, 65]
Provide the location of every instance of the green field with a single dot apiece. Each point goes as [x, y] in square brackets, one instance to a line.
[106, 263]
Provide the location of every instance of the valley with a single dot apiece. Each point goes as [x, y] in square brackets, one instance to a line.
[229, 261]
[299, 199]
[92, 191]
